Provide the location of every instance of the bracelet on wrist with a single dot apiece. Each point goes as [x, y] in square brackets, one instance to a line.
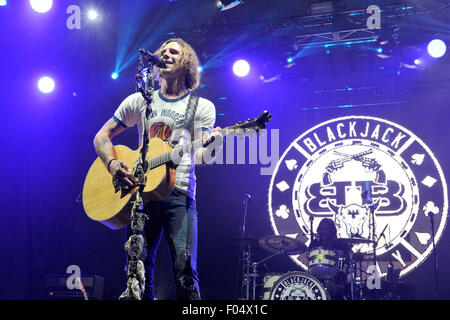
[109, 163]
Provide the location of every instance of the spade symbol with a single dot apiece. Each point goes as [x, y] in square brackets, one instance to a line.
[291, 164]
[417, 158]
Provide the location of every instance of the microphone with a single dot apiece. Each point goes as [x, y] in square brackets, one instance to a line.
[247, 197]
[365, 196]
[382, 234]
[153, 58]
[367, 199]
[431, 217]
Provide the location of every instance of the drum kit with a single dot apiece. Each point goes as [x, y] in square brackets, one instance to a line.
[332, 270]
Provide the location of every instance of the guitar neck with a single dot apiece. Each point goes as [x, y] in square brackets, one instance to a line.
[199, 142]
[194, 145]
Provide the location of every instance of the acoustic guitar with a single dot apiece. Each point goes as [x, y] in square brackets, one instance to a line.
[104, 204]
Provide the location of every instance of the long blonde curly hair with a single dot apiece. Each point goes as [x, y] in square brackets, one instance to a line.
[189, 60]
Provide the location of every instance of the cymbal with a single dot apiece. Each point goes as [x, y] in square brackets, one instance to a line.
[245, 242]
[361, 256]
[280, 243]
[351, 241]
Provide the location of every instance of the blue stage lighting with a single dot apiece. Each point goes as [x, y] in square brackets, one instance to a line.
[41, 6]
[3, 3]
[379, 50]
[241, 68]
[199, 68]
[46, 84]
[436, 48]
[92, 14]
[290, 60]
[114, 75]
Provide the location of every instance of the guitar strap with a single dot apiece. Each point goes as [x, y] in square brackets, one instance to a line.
[190, 112]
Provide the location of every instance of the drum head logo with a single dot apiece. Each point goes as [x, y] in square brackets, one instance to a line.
[297, 286]
[327, 172]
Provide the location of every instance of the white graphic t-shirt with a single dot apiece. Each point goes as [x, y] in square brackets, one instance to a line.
[166, 116]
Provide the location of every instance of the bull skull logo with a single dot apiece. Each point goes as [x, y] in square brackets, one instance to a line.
[352, 220]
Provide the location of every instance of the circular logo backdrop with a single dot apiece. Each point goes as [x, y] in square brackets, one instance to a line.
[325, 172]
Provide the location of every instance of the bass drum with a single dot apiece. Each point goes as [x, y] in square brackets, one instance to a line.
[294, 285]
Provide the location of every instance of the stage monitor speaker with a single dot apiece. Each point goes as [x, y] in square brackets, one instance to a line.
[56, 288]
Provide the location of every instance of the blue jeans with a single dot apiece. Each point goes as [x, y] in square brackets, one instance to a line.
[177, 217]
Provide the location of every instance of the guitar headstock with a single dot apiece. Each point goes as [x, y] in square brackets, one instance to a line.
[252, 125]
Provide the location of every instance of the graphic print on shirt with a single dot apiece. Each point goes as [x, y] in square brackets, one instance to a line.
[162, 127]
[160, 130]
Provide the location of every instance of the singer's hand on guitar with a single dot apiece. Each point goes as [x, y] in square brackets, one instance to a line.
[122, 173]
[216, 135]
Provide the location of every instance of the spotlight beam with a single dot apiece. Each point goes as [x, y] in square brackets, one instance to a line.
[41, 6]
[46, 84]
[436, 48]
[241, 68]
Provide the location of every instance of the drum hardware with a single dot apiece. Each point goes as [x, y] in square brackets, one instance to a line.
[254, 273]
[351, 241]
[353, 259]
[245, 255]
[372, 207]
[282, 244]
[276, 245]
[337, 257]
[352, 276]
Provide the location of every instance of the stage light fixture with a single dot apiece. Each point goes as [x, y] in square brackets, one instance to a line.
[46, 84]
[290, 60]
[379, 50]
[241, 68]
[41, 6]
[225, 5]
[199, 68]
[114, 75]
[93, 14]
[3, 3]
[436, 48]
[321, 7]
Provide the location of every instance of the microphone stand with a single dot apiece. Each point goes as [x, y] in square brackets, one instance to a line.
[372, 211]
[245, 255]
[135, 244]
[436, 268]
[372, 206]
